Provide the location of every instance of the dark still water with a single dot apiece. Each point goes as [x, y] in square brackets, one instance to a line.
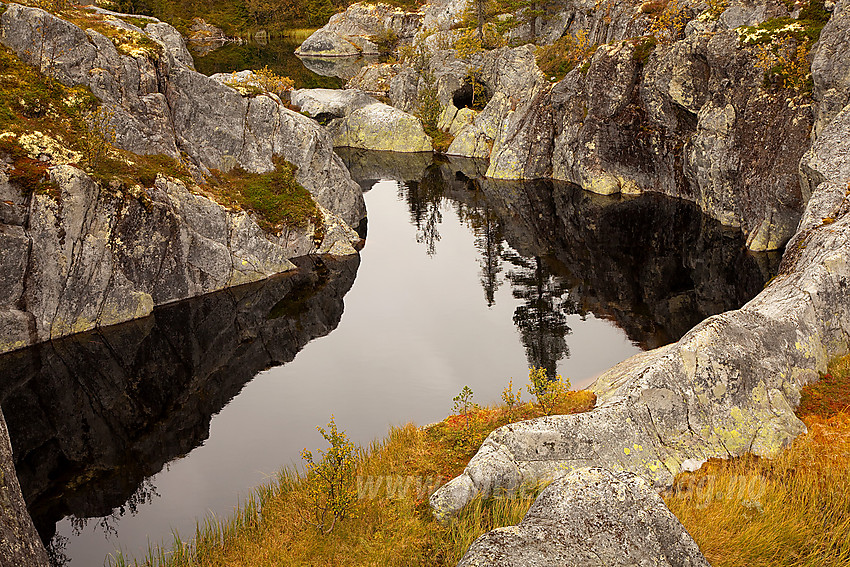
[278, 53]
[129, 433]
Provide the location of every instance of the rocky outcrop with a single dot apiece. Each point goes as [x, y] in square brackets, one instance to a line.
[204, 37]
[726, 388]
[356, 120]
[93, 415]
[691, 119]
[359, 29]
[160, 105]
[93, 257]
[19, 542]
[595, 518]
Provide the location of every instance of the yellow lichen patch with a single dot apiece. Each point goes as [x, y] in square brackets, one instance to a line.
[39, 145]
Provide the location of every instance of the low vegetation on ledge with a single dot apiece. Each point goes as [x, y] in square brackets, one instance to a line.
[386, 518]
[44, 123]
[791, 511]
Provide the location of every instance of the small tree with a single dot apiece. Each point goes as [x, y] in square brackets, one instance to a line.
[548, 391]
[99, 135]
[331, 490]
[512, 399]
[271, 82]
[463, 404]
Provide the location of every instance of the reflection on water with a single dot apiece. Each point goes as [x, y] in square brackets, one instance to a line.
[278, 53]
[125, 433]
[655, 265]
[93, 415]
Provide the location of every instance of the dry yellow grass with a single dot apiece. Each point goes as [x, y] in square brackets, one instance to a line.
[793, 510]
[392, 523]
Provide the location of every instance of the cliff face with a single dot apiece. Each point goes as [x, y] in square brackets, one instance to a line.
[92, 415]
[690, 116]
[692, 120]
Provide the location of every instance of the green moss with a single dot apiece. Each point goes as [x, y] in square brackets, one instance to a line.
[276, 197]
[644, 47]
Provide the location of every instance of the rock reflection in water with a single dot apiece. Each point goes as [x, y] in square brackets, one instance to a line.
[654, 265]
[93, 415]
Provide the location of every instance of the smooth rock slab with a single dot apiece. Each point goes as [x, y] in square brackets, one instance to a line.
[593, 518]
[330, 102]
[380, 127]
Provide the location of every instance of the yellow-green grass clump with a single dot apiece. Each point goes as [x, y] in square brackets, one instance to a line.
[391, 522]
[790, 511]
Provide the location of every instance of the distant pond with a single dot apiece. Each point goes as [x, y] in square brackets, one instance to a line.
[278, 53]
[129, 433]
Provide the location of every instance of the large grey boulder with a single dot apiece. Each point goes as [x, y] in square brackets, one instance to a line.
[594, 518]
[727, 388]
[334, 103]
[19, 542]
[325, 43]
[161, 105]
[357, 120]
[354, 31]
[380, 126]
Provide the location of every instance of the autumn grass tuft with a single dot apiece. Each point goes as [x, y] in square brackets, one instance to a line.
[791, 511]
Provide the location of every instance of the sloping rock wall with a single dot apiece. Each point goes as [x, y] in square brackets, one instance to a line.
[94, 257]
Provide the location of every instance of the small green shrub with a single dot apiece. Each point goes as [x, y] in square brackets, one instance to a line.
[643, 48]
[387, 40]
[463, 404]
[99, 136]
[547, 390]
[330, 483]
[511, 399]
[561, 57]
